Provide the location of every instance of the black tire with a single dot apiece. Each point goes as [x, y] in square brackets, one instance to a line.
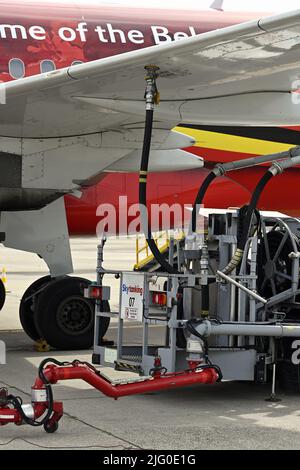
[63, 317]
[51, 428]
[26, 310]
[2, 294]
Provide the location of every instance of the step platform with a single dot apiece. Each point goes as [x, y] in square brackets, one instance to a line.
[116, 377]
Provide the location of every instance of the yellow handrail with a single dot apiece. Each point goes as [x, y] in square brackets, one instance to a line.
[142, 246]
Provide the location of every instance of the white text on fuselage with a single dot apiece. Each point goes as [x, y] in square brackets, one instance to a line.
[105, 33]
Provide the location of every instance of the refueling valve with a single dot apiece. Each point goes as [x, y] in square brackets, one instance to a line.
[152, 95]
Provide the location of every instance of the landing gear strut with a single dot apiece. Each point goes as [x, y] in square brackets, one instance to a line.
[55, 310]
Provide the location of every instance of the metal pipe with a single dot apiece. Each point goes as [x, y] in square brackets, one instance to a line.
[240, 286]
[285, 164]
[232, 298]
[220, 169]
[274, 379]
[207, 328]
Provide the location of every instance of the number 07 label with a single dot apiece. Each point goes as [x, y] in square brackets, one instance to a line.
[132, 297]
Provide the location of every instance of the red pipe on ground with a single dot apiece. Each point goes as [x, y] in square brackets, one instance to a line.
[12, 415]
[8, 415]
[205, 376]
[54, 374]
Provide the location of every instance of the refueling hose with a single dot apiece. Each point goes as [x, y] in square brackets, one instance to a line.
[200, 196]
[237, 258]
[151, 96]
[222, 168]
[276, 169]
[289, 159]
[292, 158]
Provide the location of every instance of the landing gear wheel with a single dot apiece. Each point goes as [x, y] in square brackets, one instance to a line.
[27, 307]
[51, 428]
[2, 295]
[63, 317]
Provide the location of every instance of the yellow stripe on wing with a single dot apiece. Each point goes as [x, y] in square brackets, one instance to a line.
[233, 143]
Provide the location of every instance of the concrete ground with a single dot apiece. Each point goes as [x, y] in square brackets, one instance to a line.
[224, 416]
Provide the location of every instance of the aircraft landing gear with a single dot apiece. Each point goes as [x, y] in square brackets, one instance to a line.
[60, 314]
[28, 304]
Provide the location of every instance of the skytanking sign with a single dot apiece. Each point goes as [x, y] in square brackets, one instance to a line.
[132, 296]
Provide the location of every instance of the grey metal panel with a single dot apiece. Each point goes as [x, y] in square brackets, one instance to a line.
[18, 199]
[44, 232]
[101, 351]
[10, 170]
[235, 365]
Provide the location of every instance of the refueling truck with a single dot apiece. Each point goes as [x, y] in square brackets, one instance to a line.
[230, 302]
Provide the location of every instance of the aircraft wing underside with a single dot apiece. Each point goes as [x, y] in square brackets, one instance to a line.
[89, 118]
[240, 75]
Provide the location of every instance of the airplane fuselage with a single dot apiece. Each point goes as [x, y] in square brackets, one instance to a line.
[48, 35]
[39, 38]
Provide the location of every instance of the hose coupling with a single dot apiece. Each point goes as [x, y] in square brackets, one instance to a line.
[219, 170]
[152, 96]
[276, 169]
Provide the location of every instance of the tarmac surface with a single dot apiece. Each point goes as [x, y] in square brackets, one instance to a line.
[224, 416]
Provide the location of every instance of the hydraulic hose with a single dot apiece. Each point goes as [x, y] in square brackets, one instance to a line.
[150, 96]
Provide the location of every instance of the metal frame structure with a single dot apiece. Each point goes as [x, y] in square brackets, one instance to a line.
[237, 312]
[218, 322]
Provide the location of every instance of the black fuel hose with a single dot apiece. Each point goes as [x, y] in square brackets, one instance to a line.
[200, 196]
[252, 208]
[143, 195]
[235, 261]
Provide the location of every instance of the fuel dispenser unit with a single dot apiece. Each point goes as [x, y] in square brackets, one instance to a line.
[230, 304]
